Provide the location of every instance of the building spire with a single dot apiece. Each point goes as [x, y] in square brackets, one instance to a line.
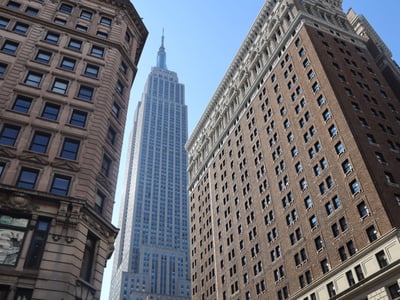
[162, 56]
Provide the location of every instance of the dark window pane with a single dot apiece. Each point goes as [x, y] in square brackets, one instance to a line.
[50, 111]
[40, 142]
[70, 149]
[9, 135]
[78, 118]
[60, 185]
[27, 178]
[22, 104]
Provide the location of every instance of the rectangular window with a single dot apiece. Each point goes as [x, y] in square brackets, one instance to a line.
[116, 110]
[4, 22]
[120, 87]
[382, 259]
[86, 15]
[9, 135]
[60, 86]
[75, 45]
[106, 165]
[31, 11]
[70, 149]
[60, 21]
[40, 142]
[60, 185]
[102, 34]
[81, 27]
[13, 5]
[68, 64]
[99, 204]
[354, 187]
[89, 256]
[10, 47]
[66, 8]
[22, 104]
[52, 37]
[38, 242]
[21, 28]
[92, 71]
[78, 118]
[13, 233]
[85, 93]
[50, 111]
[105, 21]
[331, 289]
[3, 68]
[27, 178]
[33, 79]
[97, 51]
[359, 272]
[43, 56]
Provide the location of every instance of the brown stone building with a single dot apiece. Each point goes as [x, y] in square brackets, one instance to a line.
[294, 168]
[66, 69]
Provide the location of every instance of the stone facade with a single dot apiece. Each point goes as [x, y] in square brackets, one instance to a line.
[66, 71]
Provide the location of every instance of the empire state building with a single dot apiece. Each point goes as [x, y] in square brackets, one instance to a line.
[152, 252]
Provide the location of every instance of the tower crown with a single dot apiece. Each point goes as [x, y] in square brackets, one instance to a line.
[162, 55]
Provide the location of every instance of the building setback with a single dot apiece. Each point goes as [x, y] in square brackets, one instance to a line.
[66, 68]
[294, 166]
[152, 250]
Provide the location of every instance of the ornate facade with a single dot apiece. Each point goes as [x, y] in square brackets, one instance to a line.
[66, 69]
[294, 166]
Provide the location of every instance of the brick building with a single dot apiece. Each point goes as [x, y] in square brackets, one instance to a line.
[294, 167]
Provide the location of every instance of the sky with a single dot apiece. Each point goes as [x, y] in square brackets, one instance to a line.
[201, 40]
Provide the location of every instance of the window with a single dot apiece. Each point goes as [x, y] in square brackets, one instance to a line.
[3, 68]
[60, 185]
[43, 56]
[4, 22]
[313, 222]
[111, 135]
[343, 224]
[315, 87]
[10, 47]
[105, 21]
[106, 165]
[372, 234]
[102, 34]
[20, 28]
[318, 243]
[89, 255]
[60, 86]
[33, 79]
[86, 15]
[342, 253]
[50, 111]
[123, 68]
[382, 259]
[38, 242]
[22, 104]
[332, 131]
[31, 11]
[27, 178]
[325, 266]
[308, 202]
[78, 118]
[70, 149]
[354, 187]
[359, 272]
[394, 291]
[40, 142]
[81, 27]
[75, 45]
[339, 148]
[66, 8]
[329, 208]
[116, 110]
[85, 93]
[68, 64]
[92, 71]
[97, 51]
[331, 289]
[60, 21]
[303, 184]
[363, 210]
[346, 166]
[9, 135]
[52, 37]
[120, 87]
[99, 203]
[13, 234]
[13, 5]
[326, 115]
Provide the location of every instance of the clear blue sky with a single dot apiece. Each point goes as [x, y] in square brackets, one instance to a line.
[201, 40]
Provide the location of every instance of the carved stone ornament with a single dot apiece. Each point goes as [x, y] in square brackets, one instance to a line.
[19, 201]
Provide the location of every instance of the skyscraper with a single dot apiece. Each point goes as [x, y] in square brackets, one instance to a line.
[66, 68]
[152, 255]
[294, 168]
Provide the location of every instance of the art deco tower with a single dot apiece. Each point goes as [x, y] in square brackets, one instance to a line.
[152, 255]
[294, 167]
[66, 68]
